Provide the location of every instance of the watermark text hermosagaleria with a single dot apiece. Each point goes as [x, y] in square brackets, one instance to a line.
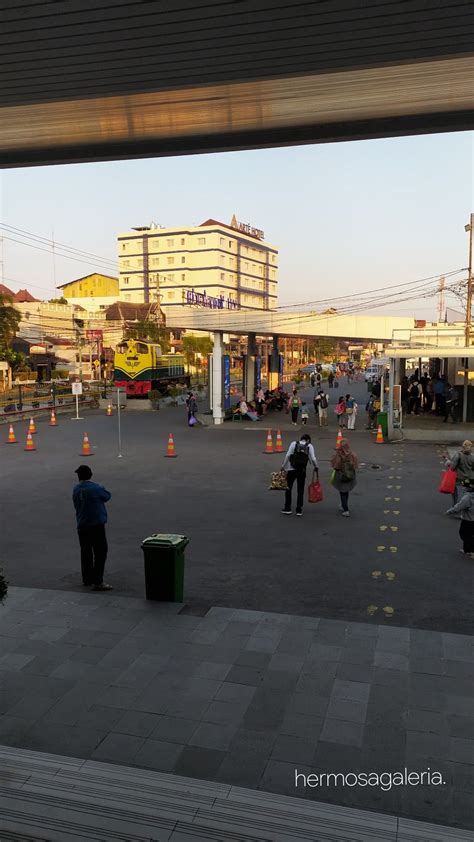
[383, 780]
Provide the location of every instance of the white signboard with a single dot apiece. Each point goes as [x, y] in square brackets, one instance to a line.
[76, 388]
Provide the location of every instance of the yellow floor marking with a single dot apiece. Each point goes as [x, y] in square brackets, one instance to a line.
[397, 499]
[380, 548]
[398, 486]
[376, 574]
[393, 549]
[389, 486]
[388, 611]
[390, 576]
[394, 528]
[388, 498]
[396, 511]
[382, 528]
[372, 609]
[386, 511]
[392, 477]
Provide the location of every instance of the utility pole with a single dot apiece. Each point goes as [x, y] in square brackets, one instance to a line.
[469, 228]
[441, 299]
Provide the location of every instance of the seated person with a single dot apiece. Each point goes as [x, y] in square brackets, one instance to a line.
[247, 412]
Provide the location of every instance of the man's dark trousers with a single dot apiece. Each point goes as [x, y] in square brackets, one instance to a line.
[93, 543]
[300, 478]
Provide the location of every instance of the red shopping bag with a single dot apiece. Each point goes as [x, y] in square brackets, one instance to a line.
[315, 492]
[448, 482]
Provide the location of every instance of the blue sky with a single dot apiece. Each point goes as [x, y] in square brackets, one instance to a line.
[346, 217]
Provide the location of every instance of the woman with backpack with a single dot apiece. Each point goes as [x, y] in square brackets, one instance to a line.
[351, 412]
[294, 404]
[465, 508]
[344, 463]
[463, 463]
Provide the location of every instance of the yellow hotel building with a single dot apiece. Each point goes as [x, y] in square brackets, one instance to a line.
[211, 265]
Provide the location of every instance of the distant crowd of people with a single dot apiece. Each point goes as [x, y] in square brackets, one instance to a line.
[429, 394]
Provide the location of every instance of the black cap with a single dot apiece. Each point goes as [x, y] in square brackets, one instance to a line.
[83, 472]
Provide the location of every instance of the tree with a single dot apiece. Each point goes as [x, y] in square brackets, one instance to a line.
[194, 346]
[10, 318]
[150, 332]
[61, 300]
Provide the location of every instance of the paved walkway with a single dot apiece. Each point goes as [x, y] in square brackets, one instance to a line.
[68, 800]
[241, 698]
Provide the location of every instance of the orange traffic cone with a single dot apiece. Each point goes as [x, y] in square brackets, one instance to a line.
[170, 451]
[379, 438]
[269, 444]
[338, 439]
[86, 447]
[30, 445]
[32, 428]
[109, 409]
[53, 421]
[11, 436]
[279, 444]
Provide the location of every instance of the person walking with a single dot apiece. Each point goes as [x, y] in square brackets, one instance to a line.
[294, 404]
[295, 463]
[450, 403]
[415, 392]
[340, 411]
[344, 463]
[463, 463]
[89, 500]
[304, 413]
[330, 379]
[192, 407]
[321, 404]
[465, 508]
[351, 412]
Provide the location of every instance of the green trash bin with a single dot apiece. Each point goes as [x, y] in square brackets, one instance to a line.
[164, 566]
[382, 419]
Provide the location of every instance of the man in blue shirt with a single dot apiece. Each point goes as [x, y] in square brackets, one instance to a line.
[89, 500]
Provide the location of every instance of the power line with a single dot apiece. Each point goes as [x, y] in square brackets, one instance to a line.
[54, 244]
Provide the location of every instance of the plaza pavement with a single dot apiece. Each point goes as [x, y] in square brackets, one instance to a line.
[397, 551]
[239, 698]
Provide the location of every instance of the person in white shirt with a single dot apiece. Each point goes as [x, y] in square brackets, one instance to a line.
[295, 463]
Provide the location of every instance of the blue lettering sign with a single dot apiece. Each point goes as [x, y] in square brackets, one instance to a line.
[226, 381]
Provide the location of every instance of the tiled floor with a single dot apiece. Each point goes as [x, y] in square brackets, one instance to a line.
[60, 799]
[242, 698]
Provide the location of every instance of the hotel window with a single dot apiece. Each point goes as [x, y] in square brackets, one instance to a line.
[126, 280]
[230, 244]
[222, 258]
[273, 274]
[183, 277]
[201, 241]
[124, 247]
[222, 276]
[155, 261]
[126, 263]
[222, 241]
[170, 295]
[183, 260]
[246, 266]
[170, 243]
[260, 284]
[128, 297]
[273, 258]
[260, 269]
[170, 261]
[183, 241]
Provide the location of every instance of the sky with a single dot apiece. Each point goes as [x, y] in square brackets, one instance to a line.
[346, 217]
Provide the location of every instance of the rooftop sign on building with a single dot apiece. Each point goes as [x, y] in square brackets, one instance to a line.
[246, 228]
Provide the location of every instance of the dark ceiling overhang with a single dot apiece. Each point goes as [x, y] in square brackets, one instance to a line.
[84, 80]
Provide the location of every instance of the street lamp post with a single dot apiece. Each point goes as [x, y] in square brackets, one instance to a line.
[468, 228]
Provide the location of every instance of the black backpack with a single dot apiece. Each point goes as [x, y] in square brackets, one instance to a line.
[323, 402]
[300, 457]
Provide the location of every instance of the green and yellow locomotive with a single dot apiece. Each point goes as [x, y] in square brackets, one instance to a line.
[140, 367]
